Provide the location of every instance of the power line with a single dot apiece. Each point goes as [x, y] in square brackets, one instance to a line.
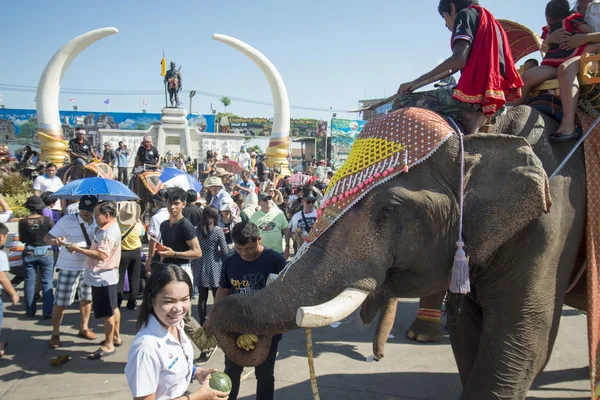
[122, 92]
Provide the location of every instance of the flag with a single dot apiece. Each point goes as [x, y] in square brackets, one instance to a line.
[211, 107]
[331, 107]
[107, 101]
[72, 100]
[145, 103]
[163, 66]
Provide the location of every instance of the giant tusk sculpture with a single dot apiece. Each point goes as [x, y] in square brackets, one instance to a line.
[279, 144]
[52, 143]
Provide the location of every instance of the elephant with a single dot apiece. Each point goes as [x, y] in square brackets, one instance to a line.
[146, 184]
[72, 172]
[523, 235]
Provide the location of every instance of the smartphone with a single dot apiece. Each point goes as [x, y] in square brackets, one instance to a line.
[159, 245]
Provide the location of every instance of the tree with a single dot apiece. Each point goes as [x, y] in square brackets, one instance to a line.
[226, 102]
[141, 127]
[27, 129]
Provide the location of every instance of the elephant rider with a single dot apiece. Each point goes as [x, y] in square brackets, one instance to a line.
[147, 156]
[80, 149]
[487, 80]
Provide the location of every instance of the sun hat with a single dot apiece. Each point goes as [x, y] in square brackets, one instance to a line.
[213, 181]
[129, 212]
[87, 203]
[220, 172]
[225, 207]
[309, 194]
[34, 203]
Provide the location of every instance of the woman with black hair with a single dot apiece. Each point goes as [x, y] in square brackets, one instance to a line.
[160, 361]
[207, 269]
[37, 255]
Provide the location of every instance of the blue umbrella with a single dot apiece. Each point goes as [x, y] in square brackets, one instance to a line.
[173, 177]
[103, 188]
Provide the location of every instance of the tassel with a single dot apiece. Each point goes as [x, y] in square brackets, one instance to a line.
[460, 271]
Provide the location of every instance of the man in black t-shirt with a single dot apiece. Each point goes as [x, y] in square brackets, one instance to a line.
[80, 149]
[246, 271]
[147, 154]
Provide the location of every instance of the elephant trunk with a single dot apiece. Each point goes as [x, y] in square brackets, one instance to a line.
[275, 309]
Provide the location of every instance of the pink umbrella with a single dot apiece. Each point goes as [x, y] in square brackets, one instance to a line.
[230, 166]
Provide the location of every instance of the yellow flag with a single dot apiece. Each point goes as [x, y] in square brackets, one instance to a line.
[163, 67]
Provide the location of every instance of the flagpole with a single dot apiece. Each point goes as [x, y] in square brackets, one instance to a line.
[166, 104]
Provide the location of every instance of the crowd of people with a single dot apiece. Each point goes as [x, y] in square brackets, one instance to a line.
[92, 252]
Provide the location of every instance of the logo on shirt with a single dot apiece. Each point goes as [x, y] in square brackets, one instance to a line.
[173, 363]
[458, 26]
[267, 226]
[251, 283]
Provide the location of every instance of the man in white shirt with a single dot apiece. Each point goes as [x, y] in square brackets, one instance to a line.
[244, 158]
[48, 182]
[302, 221]
[73, 228]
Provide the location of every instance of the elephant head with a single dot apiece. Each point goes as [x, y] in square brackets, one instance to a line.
[398, 240]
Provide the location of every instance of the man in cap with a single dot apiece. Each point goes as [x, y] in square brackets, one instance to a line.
[272, 223]
[147, 155]
[80, 149]
[302, 221]
[217, 191]
[78, 229]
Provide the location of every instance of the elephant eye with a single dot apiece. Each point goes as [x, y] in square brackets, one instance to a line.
[390, 208]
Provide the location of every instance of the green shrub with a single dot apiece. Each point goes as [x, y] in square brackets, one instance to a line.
[16, 201]
[15, 184]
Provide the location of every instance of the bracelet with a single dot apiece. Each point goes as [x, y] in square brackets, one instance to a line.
[175, 254]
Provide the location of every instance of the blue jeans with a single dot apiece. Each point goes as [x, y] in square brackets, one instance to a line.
[45, 264]
[80, 161]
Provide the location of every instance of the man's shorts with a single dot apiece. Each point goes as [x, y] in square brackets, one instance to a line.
[105, 300]
[68, 283]
[439, 101]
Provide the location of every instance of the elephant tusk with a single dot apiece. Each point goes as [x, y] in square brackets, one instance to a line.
[332, 311]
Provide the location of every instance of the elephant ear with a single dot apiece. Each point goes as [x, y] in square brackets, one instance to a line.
[506, 189]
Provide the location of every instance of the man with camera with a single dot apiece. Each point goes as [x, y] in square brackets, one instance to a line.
[122, 162]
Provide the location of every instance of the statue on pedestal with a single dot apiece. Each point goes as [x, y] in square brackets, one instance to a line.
[174, 84]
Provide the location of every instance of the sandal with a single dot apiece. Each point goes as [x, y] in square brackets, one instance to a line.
[115, 343]
[98, 354]
[54, 341]
[87, 334]
[562, 138]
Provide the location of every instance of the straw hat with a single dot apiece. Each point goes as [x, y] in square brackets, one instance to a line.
[213, 181]
[220, 172]
[129, 213]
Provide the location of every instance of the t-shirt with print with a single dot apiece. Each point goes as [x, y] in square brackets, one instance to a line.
[69, 227]
[175, 237]
[148, 156]
[243, 277]
[271, 226]
[82, 149]
[466, 25]
[297, 222]
[104, 273]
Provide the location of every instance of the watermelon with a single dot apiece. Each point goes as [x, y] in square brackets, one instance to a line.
[220, 381]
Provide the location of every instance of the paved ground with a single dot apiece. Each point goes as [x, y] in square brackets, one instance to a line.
[409, 370]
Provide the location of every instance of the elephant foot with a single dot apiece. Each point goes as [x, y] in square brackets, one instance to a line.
[425, 331]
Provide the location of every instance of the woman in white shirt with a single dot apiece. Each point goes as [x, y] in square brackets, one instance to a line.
[160, 361]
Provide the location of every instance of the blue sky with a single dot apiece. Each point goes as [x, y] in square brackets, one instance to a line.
[329, 52]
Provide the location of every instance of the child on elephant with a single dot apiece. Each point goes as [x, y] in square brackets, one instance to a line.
[558, 16]
[488, 79]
